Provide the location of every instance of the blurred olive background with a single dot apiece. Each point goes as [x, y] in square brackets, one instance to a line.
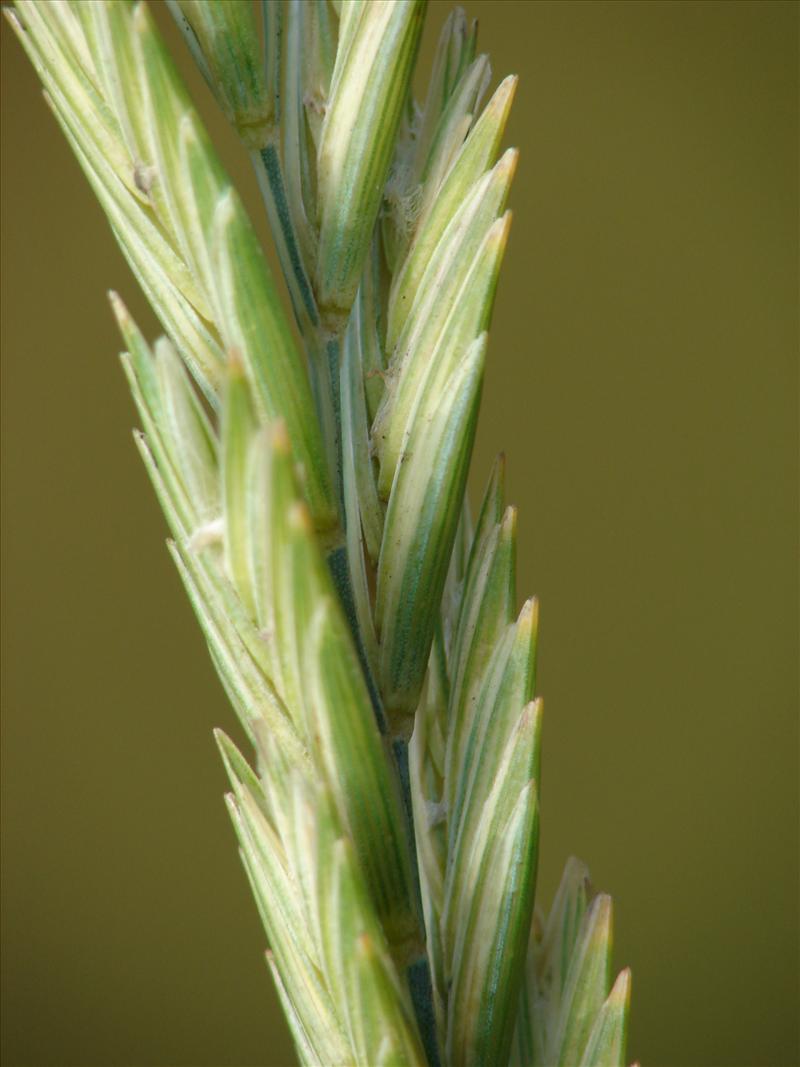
[643, 381]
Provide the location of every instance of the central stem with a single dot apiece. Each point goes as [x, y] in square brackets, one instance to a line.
[323, 333]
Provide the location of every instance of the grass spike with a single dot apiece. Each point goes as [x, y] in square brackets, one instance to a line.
[364, 629]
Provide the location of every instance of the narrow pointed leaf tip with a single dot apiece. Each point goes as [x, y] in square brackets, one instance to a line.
[607, 1040]
[587, 980]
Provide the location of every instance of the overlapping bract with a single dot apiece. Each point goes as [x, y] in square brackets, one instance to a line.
[569, 1012]
[476, 756]
[375, 57]
[367, 635]
[321, 825]
[178, 220]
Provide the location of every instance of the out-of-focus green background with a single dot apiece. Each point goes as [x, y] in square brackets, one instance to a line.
[643, 382]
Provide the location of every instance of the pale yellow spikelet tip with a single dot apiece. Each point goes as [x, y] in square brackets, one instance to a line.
[279, 438]
[621, 991]
[300, 518]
